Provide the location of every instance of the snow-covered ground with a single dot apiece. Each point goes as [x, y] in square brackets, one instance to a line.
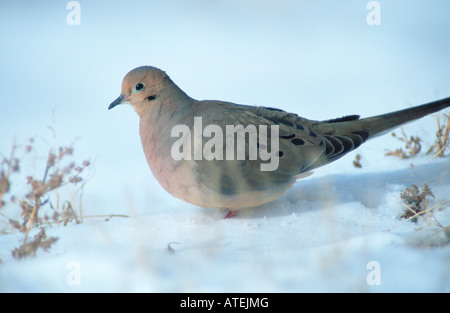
[323, 235]
[338, 230]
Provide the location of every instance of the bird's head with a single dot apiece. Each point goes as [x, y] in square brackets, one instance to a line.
[141, 87]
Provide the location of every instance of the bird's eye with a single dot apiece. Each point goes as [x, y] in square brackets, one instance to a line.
[138, 87]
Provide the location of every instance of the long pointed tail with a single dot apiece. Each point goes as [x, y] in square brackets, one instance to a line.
[380, 124]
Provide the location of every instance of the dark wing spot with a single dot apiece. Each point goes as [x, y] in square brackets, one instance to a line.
[297, 142]
[288, 123]
[343, 119]
[280, 153]
[288, 136]
[312, 134]
[300, 127]
[273, 109]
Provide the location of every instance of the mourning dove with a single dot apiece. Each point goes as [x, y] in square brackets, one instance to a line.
[220, 180]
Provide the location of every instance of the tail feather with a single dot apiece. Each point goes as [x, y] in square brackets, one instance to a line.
[381, 124]
[347, 133]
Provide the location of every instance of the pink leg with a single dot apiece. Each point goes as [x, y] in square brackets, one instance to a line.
[230, 214]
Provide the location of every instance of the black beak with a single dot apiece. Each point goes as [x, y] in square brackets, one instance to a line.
[118, 101]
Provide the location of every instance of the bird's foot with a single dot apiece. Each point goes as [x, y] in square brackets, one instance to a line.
[230, 214]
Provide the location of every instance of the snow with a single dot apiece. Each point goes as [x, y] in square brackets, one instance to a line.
[335, 231]
[308, 240]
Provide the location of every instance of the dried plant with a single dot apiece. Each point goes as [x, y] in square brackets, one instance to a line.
[36, 203]
[8, 166]
[357, 161]
[416, 204]
[415, 201]
[29, 248]
[412, 146]
[442, 142]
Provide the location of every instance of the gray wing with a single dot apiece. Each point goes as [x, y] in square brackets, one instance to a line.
[300, 150]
